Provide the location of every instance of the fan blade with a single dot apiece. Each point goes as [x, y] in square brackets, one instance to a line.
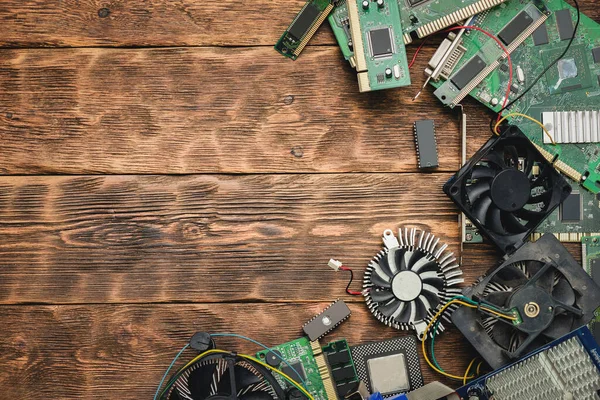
[511, 276]
[493, 220]
[380, 296]
[379, 281]
[529, 161]
[414, 258]
[560, 326]
[200, 380]
[511, 223]
[256, 396]
[543, 197]
[401, 315]
[224, 383]
[432, 298]
[482, 172]
[399, 264]
[432, 278]
[563, 292]
[498, 298]
[496, 159]
[475, 190]
[481, 208]
[546, 280]
[413, 312]
[384, 264]
[405, 261]
[502, 334]
[529, 215]
[389, 308]
[245, 378]
[423, 265]
[422, 305]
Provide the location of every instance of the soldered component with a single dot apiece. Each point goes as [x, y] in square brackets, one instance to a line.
[425, 143]
[572, 126]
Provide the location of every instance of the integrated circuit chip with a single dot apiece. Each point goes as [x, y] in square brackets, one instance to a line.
[564, 23]
[381, 43]
[540, 35]
[425, 143]
[292, 368]
[326, 320]
[303, 22]
[515, 27]
[595, 270]
[388, 374]
[570, 209]
[467, 73]
[596, 55]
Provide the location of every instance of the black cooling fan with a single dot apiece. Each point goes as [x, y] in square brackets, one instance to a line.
[507, 189]
[410, 279]
[225, 377]
[548, 289]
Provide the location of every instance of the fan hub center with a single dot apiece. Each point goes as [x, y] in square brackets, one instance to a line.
[407, 285]
[535, 306]
[510, 190]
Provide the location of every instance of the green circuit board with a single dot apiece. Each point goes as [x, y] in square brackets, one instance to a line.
[299, 354]
[590, 256]
[303, 27]
[342, 366]
[340, 25]
[379, 53]
[572, 85]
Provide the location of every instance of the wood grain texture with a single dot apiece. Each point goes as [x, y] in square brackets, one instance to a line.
[207, 110]
[203, 238]
[35, 23]
[121, 351]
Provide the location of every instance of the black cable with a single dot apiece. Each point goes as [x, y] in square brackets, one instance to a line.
[351, 292]
[536, 80]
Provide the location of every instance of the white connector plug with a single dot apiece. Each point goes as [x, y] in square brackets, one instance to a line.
[334, 264]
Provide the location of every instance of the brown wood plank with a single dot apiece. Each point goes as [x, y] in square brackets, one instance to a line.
[206, 110]
[121, 351]
[33, 23]
[203, 238]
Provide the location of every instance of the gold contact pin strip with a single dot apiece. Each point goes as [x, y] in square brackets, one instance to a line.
[456, 16]
[560, 165]
[323, 369]
[356, 33]
[488, 70]
[566, 237]
[312, 30]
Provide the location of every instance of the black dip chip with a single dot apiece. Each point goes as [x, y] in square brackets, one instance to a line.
[381, 42]
[595, 270]
[515, 27]
[596, 55]
[564, 23]
[342, 357]
[304, 21]
[343, 373]
[427, 154]
[571, 208]
[514, 88]
[540, 35]
[468, 72]
[290, 372]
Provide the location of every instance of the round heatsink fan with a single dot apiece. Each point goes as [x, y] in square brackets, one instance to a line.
[225, 377]
[509, 191]
[410, 280]
[542, 293]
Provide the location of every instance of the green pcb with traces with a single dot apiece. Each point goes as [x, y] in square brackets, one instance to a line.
[379, 51]
[340, 25]
[590, 256]
[303, 27]
[299, 354]
[566, 99]
[343, 371]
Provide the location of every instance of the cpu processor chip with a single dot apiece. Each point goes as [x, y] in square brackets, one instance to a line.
[380, 41]
[388, 374]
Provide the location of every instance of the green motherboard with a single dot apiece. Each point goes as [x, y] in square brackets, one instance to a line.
[590, 256]
[328, 371]
[566, 99]
[379, 53]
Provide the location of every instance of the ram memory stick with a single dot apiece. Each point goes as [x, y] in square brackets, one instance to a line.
[379, 50]
[303, 27]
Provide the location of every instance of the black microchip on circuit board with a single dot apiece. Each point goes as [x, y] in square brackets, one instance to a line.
[540, 35]
[469, 71]
[304, 21]
[564, 23]
[381, 42]
[515, 27]
[425, 143]
[596, 55]
[390, 366]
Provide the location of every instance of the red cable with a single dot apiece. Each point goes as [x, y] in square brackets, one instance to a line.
[510, 66]
[350, 292]
[412, 62]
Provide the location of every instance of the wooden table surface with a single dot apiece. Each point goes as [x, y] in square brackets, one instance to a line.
[164, 171]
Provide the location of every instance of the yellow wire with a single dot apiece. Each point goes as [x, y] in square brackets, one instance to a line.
[526, 117]
[436, 316]
[478, 368]
[284, 375]
[467, 371]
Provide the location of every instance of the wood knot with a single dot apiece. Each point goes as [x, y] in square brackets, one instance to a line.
[9, 115]
[287, 100]
[297, 151]
[103, 12]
